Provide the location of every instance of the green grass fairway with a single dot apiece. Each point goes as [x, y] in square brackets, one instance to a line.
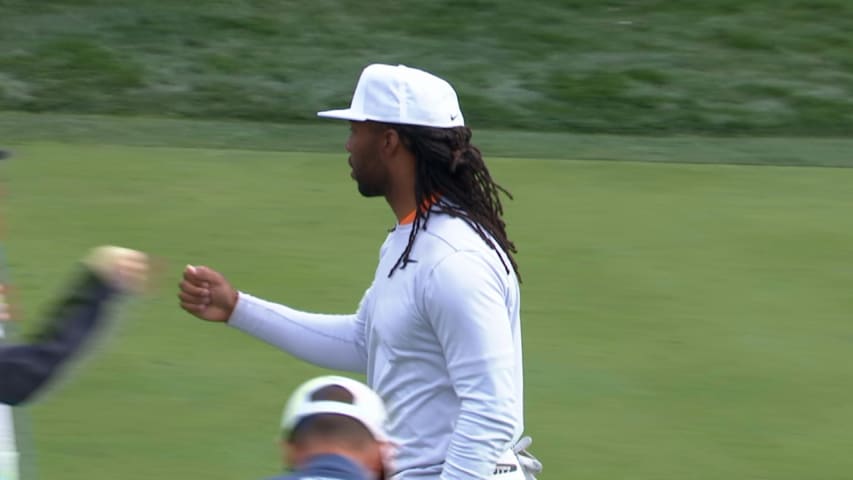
[680, 321]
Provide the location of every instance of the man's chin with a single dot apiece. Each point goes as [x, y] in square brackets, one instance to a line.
[368, 192]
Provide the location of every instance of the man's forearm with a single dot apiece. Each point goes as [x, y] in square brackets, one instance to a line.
[330, 341]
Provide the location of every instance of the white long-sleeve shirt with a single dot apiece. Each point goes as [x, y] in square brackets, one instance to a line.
[439, 340]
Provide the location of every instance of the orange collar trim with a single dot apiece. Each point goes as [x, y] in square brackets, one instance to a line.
[410, 217]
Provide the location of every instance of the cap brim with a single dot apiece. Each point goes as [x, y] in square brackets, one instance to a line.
[345, 114]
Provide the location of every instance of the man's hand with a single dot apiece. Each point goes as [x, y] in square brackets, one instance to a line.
[124, 269]
[205, 293]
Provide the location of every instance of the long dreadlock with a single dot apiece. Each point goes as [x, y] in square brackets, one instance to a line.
[449, 168]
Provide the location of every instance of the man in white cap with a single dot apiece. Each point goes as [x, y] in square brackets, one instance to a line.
[334, 428]
[438, 332]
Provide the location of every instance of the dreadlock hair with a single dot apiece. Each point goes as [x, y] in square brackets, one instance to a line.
[450, 172]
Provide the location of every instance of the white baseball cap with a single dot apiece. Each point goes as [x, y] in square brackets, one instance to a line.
[366, 406]
[403, 95]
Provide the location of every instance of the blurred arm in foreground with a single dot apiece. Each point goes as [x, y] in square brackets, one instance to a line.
[76, 317]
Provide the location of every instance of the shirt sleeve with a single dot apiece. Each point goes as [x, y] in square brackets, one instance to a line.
[330, 341]
[26, 369]
[465, 301]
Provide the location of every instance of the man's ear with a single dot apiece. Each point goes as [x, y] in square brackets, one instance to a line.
[290, 455]
[390, 140]
[387, 451]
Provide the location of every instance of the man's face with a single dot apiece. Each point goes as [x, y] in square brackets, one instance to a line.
[368, 168]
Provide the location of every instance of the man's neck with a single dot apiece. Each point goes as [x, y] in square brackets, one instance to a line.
[337, 459]
[306, 454]
[401, 193]
[402, 201]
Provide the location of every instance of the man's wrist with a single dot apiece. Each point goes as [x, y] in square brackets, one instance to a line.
[234, 300]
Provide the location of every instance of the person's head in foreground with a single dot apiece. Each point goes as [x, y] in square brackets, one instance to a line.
[409, 143]
[335, 427]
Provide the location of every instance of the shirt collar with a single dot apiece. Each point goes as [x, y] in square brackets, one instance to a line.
[334, 465]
